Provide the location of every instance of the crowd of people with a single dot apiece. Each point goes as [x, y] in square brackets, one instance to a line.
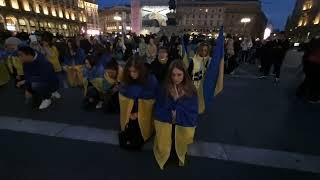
[143, 78]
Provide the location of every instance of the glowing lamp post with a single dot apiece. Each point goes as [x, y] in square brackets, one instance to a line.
[117, 18]
[245, 21]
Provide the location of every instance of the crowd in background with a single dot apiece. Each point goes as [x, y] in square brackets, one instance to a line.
[141, 77]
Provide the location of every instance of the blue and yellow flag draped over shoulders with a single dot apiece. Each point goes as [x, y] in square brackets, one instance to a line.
[213, 82]
[144, 96]
[185, 124]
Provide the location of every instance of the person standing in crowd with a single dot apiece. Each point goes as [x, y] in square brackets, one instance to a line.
[159, 67]
[176, 113]
[13, 61]
[119, 49]
[246, 45]
[142, 47]
[73, 61]
[197, 70]
[85, 44]
[230, 59]
[92, 83]
[151, 50]
[279, 50]
[4, 73]
[274, 52]
[41, 83]
[136, 97]
[111, 83]
[51, 52]
[310, 88]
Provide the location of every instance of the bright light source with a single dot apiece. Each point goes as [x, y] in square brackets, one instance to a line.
[11, 27]
[240, 39]
[93, 32]
[296, 44]
[117, 18]
[267, 33]
[245, 20]
[206, 10]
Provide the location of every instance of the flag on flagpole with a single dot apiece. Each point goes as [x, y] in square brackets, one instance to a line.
[213, 82]
[185, 57]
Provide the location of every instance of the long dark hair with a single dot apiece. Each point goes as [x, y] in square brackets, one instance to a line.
[139, 64]
[186, 84]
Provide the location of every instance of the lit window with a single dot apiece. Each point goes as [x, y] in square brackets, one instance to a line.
[45, 10]
[72, 16]
[14, 4]
[317, 20]
[2, 3]
[67, 15]
[60, 13]
[53, 11]
[64, 26]
[22, 22]
[84, 18]
[37, 8]
[307, 5]
[26, 6]
[80, 17]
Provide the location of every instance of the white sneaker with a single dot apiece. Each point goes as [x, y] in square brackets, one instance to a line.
[45, 104]
[56, 95]
[262, 77]
[99, 105]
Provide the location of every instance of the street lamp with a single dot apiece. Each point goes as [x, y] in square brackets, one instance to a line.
[245, 21]
[118, 19]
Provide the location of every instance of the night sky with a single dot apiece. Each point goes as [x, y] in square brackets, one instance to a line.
[277, 11]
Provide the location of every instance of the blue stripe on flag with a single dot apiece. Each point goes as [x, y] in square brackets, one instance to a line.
[213, 69]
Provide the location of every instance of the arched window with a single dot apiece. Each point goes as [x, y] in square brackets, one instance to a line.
[14, 4]
[45, 10]
[2, 3]
[317, 19]
[26, 5]
[307, 5]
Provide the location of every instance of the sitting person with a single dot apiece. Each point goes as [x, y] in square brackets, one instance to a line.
[73, 63]
[111, 82]
[92, 83]
[41, 82]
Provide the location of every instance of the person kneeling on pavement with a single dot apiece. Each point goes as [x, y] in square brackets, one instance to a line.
[41, 82]
[111, 82]
[92, 83]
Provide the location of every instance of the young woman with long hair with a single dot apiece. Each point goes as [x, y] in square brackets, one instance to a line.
[175, 116]
[136, 97]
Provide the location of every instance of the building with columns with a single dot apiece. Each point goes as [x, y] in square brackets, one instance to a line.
[304, 22]
[239, 17]
[114, 19]
[67, 17]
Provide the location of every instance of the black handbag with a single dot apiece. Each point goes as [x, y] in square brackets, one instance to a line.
[131, 138]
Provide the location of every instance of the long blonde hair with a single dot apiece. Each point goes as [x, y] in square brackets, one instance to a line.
[186, 84]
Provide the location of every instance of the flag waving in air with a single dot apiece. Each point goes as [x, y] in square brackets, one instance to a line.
[213, 82]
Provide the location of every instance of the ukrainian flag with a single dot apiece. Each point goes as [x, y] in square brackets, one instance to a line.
[213, 81]
[185, 54]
